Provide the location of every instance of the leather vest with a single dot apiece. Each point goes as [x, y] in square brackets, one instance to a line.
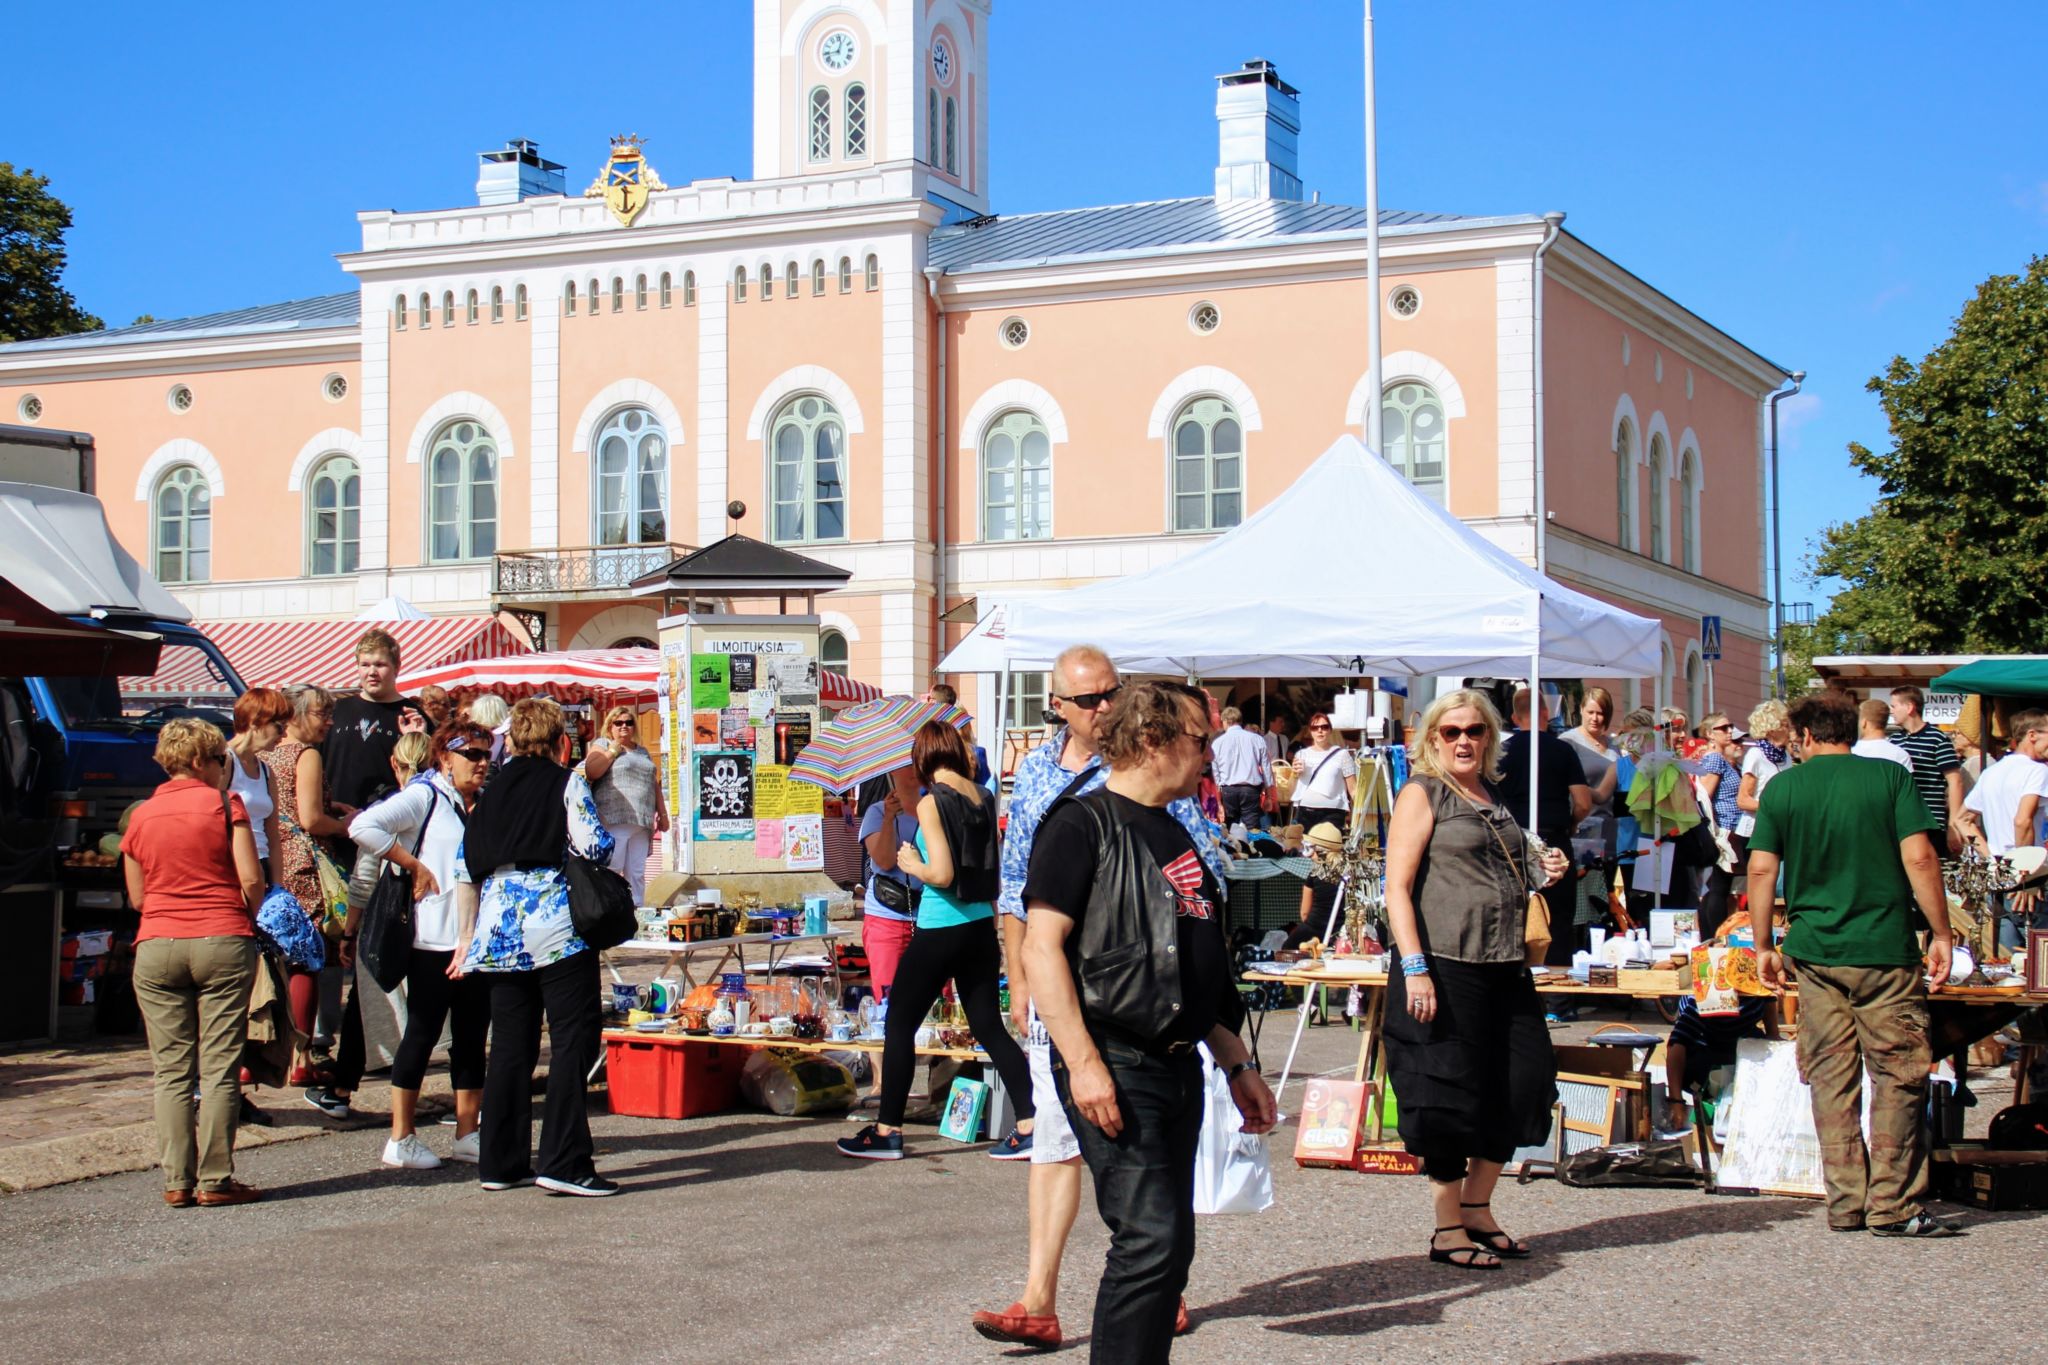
[1125, 956]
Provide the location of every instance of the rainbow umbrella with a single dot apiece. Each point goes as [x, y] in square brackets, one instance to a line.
[868, 740]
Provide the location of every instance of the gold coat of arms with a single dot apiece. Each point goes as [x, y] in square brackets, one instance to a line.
[626, 181]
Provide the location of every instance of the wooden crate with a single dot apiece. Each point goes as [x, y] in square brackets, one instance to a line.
[1663, 980]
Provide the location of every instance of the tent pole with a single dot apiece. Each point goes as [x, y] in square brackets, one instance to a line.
[1535, 730]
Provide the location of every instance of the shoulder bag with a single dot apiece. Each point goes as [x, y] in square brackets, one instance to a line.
[332, 918]
[1535, 919]
[385, 933]
[600, 903]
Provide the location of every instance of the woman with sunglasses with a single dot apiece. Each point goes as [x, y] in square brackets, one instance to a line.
[1466, 1042]
[1326, 778]
[430, 812]
[628, 792]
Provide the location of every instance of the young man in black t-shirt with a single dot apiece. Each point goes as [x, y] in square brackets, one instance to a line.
[1133, 1090]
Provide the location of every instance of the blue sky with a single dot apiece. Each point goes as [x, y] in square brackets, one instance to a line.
[1825, 182]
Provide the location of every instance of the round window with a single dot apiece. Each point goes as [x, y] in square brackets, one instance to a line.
[1405, 301]
[180, 398]
[1016, 332]
[1204, 317]
[30, 407]
[334, 388]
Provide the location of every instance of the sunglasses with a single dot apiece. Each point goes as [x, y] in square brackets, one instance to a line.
[480, 757]
[1317, 729]
[1201, 737]
[1088, 701]
[1450, 734]
[1724, 726]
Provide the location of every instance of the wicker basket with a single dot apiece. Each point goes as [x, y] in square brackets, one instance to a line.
[1283, 780]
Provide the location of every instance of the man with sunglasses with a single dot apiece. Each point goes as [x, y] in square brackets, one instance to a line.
[1084, 683]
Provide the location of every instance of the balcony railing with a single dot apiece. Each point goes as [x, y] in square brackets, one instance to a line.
[587, 571]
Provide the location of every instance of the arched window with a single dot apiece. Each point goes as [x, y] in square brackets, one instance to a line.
[952, 137]
[1208, 466]
[497, 303]
[817, 278]
[1694, 706]
[184, 526]
[631, 479]
[469, 309]
[462, 492]
[807, 471]
[398, 313]
[519, 303]
[856, 122]
[832, 651]
[448, 308]
[739, 284]
[639, 292]
[931, 127]
[569, 299]
[596, 299]
[1688, 514]
[426, 310]
[845, 275]
[667, 288]
[874, 273]
[821, 124]
[1658, 495]
[334, 514]
[1412, 429]
[767, 284]
[1016, 479]
[618, 294]
[689, 289]
[1625, 486]
[789, 280]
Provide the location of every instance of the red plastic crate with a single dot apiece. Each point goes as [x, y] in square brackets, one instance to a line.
[671, 1078]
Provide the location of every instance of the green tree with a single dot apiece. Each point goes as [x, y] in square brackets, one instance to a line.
[1952, 554]
[32, 224]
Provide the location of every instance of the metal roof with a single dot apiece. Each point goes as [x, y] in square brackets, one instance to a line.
[328, 310]
[1145, 229]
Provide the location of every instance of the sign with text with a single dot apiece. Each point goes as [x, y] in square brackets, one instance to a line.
[1943, 708]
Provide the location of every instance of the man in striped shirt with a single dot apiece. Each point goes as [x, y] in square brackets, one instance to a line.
[1937, 776]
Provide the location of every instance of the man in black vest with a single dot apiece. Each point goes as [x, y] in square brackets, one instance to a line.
[1130, 970]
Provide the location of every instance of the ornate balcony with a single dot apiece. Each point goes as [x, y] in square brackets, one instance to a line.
[571, 575]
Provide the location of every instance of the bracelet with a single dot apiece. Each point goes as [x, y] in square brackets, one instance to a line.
[1238, 1070]
[1415, 964]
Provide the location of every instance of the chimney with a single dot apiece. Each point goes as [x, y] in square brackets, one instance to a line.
[1258, 124]
[518, 172]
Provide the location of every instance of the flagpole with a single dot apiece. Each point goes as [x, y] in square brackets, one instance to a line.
[1373, 385]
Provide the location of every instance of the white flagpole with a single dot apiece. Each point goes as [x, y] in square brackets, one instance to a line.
[1372, 249]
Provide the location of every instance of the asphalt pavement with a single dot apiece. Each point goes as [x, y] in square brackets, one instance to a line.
[743, 1236]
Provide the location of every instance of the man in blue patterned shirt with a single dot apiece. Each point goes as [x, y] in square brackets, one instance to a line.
[1083, 683]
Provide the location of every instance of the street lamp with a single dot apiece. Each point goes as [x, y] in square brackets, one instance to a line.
[1777, 548]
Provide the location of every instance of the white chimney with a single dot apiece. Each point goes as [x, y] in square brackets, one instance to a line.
[1258, 125]
[515, 173]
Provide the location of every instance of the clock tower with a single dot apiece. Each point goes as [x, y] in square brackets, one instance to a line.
[847, 85]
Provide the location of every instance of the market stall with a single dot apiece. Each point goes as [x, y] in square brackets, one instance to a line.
[600, 677]
[284, 653]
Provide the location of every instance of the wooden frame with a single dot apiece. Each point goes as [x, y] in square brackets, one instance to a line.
[2037, 964]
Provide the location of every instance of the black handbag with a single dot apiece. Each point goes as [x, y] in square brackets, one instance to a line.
[384, 935]
[1659, 1163]
[600, 903]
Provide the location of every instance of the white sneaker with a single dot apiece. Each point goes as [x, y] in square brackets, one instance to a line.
[467, 1149]
[409, 1153]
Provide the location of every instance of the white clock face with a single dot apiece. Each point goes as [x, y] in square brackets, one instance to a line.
[836, 52]
[942, 60]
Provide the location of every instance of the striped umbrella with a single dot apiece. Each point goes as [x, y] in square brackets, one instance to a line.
[868, 740]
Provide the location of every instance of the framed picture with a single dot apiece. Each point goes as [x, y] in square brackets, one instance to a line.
[2037, 963]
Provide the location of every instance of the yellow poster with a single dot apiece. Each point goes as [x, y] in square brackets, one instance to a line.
[772, 791]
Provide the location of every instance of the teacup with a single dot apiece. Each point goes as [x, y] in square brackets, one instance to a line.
[782, 1026]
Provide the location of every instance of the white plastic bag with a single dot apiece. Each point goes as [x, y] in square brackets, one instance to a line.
[1232, 1173]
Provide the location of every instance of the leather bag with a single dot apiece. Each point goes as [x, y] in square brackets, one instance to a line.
[600, 903]
[385, 932]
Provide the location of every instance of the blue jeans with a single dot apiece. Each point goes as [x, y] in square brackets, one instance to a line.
[2012, 925]
[1145, 1192]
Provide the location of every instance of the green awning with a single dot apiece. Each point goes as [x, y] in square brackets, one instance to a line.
[2023, 679]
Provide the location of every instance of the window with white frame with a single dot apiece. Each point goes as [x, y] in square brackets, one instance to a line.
[630, 475]
[519, 303]
[497, 303]
[426, 310]
[569, 299]
[739, 284]
[183, 523]
[845, 275]
[1689, 513]
[817, 278]
[448, 308]
[1658, 494]
[469, 311]
[767, 284]
[874, 273]
[833, 655]
[856, 122]
[462, 492]
[334, 517]
[1030, 695]
[1412, 430]
[689, 289]
[667, 289]
[398, 313]
[821, 124]
[789, 278]
[1625, 486]
[639, 292]
[618, 294]
[1016, 479]
[1208, 466]
[807, 471]
[1694, 705]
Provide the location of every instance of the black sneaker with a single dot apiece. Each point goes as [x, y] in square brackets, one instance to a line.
[592, 1186]
[1919, 1225]
[517, 1182]
[870, 1144]
[327, 1102]
[251, 1115]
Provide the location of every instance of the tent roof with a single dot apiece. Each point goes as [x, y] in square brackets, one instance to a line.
[40, 642]
[1412, 591]
[2024, 678]
[281, 653]
[742, 563]
[55, 546]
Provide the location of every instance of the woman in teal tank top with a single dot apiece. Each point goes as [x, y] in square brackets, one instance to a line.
[957, 859]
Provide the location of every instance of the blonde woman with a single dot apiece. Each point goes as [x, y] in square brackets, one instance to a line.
[1770, 731]
[1466, 1041]
[629, 797]
[491, 711]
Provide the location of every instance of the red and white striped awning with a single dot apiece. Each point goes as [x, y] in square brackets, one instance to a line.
[577, 675]
[280, 653]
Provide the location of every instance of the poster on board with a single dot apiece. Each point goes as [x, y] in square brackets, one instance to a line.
[803, 840]
[740, 673]
[792, 733]
[709, 685]
[725, 795]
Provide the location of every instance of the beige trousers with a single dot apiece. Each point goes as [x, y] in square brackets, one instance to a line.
[1850, 1019]
[194, 994]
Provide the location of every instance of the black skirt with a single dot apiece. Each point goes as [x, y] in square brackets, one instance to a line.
[1480, 1079]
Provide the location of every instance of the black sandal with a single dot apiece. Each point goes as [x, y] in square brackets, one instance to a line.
[1499, 1243]
[1470, 1255]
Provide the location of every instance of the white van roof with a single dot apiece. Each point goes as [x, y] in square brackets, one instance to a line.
[55, 546]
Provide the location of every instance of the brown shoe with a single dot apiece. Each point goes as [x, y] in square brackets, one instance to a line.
[179, 1199]
[234, 1192]
[1016, 1326]
[1180, 1319]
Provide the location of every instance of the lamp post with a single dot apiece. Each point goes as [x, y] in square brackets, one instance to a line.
[1777, 549]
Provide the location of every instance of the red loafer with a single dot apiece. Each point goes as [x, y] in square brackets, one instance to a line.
[1019, 1328]
[1180, 1318]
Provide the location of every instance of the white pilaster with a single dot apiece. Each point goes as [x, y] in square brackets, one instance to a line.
[545, 439]
[1515, 354]
[906, 642]
[905, 55]
[374, 388]
[905, 481]
[714, 400]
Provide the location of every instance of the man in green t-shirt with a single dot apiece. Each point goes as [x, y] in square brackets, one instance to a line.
[1852, 835]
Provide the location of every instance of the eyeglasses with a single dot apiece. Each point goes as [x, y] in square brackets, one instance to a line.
[1089, 701]
[1450, 734]
[1200, 737]
[1724, 725]
[480, 757]
[1317, 729]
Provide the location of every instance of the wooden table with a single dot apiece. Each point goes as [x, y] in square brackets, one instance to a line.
[958, 1054]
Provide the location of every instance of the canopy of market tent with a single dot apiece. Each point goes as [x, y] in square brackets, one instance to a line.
[2022, 679]
[610, 676]
[283, 653]
[1406, 588]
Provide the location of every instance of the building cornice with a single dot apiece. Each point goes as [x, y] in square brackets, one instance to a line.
[172, 355]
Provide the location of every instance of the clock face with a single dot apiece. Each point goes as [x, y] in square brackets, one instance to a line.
[942, 60]
[836, 52]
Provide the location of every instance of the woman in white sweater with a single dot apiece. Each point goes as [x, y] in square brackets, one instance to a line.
[428, 815]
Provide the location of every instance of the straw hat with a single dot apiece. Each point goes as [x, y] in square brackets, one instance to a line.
[1325, 837]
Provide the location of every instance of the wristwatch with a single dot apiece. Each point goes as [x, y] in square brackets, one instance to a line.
[1237, 1070]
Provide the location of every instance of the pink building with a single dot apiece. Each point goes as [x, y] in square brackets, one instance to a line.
[525, 403]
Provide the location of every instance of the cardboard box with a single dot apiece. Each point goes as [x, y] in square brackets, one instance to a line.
[1663, 980]
[1332, 1118]
[1387, 1161]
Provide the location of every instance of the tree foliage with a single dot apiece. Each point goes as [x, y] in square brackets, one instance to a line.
[33, 304]
[1951, 556]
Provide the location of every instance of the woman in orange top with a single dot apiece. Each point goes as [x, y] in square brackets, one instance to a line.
[191, 866]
